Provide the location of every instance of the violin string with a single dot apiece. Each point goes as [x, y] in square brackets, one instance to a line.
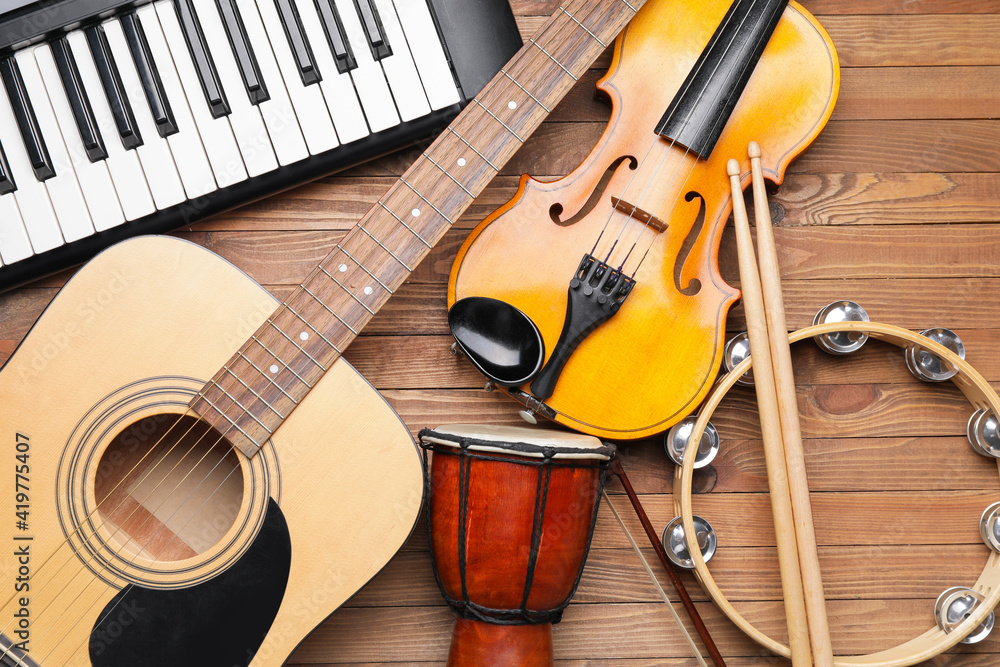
[520, 56]
[656, 143]
[694, 164]
[715, 127]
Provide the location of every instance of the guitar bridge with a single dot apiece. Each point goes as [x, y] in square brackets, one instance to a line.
[596, 292]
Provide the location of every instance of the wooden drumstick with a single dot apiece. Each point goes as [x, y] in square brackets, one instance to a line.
[805, 535]
[770, 423]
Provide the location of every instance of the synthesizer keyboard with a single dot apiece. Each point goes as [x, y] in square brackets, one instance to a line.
[118, 119]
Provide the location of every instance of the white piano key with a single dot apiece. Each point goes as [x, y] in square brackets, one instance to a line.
[14, 243]
[216, 133]
[63, 188]
[93, 177]
[126, 171]
[338, 89]
[248, 126]
[400, 72]
[369, 80]
[154, 153]
[31, 196]
[185, 145]
[293, 110]
[428, 54]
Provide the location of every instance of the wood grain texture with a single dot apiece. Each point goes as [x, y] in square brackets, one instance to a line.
[896, 205]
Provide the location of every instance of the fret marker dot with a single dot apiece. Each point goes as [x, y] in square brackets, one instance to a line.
[273, 368]
[368, 290]
[304, 335]
[512, 105]
[342, 267]
[415, 212]
[461, 162]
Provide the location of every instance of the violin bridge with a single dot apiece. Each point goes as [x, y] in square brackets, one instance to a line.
[637, 213]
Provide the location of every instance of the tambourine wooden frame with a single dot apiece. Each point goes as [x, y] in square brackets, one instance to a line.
[920, 648]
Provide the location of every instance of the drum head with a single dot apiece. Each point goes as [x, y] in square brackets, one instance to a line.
[520, 440]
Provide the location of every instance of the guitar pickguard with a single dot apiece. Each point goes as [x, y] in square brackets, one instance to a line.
[220, 622]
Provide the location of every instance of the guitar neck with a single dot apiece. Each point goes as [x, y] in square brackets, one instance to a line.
[275, 368]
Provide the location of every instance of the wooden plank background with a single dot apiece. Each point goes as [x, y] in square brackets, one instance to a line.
[896, 206]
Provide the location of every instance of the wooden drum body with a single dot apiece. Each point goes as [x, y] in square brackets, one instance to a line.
[511, 513]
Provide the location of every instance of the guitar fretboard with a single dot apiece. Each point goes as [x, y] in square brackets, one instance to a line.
[272, 372]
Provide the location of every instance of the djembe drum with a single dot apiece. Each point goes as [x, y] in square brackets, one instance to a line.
[511, 513]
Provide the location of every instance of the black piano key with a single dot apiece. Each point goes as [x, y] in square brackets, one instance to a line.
[301, 50]
[27, 124]
[336, 36]
[93, 143]
[7, 184]
[211, 84]
[245, 59]
[372, 24]
[111, 81]
[159, 105]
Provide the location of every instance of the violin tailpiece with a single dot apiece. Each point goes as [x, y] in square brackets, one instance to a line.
[596, 292]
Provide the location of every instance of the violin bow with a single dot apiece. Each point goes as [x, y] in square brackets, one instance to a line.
[713, 651]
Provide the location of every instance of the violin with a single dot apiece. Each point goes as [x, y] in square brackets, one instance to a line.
[616, 264]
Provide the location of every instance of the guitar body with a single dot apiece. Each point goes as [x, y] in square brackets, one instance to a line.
[197, 554]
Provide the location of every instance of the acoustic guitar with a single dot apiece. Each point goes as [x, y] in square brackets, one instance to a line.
[192, 474]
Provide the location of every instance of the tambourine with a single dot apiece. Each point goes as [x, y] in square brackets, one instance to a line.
[977, 603]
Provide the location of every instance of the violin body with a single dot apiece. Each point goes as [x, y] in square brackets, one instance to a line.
[654, 360]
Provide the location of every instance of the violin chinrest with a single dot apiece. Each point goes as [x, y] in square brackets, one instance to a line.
[501, 341]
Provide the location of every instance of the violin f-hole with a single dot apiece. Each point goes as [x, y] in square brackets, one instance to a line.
[694, 286]
[557, 209]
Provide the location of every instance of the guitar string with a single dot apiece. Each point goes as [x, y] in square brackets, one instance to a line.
[88, 519]
[656, 142]
[89, 516]
[243, 393]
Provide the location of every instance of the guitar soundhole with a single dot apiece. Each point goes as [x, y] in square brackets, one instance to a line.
[168, 488]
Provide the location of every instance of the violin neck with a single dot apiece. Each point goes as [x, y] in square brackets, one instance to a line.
[300, 340]
[700, 110]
